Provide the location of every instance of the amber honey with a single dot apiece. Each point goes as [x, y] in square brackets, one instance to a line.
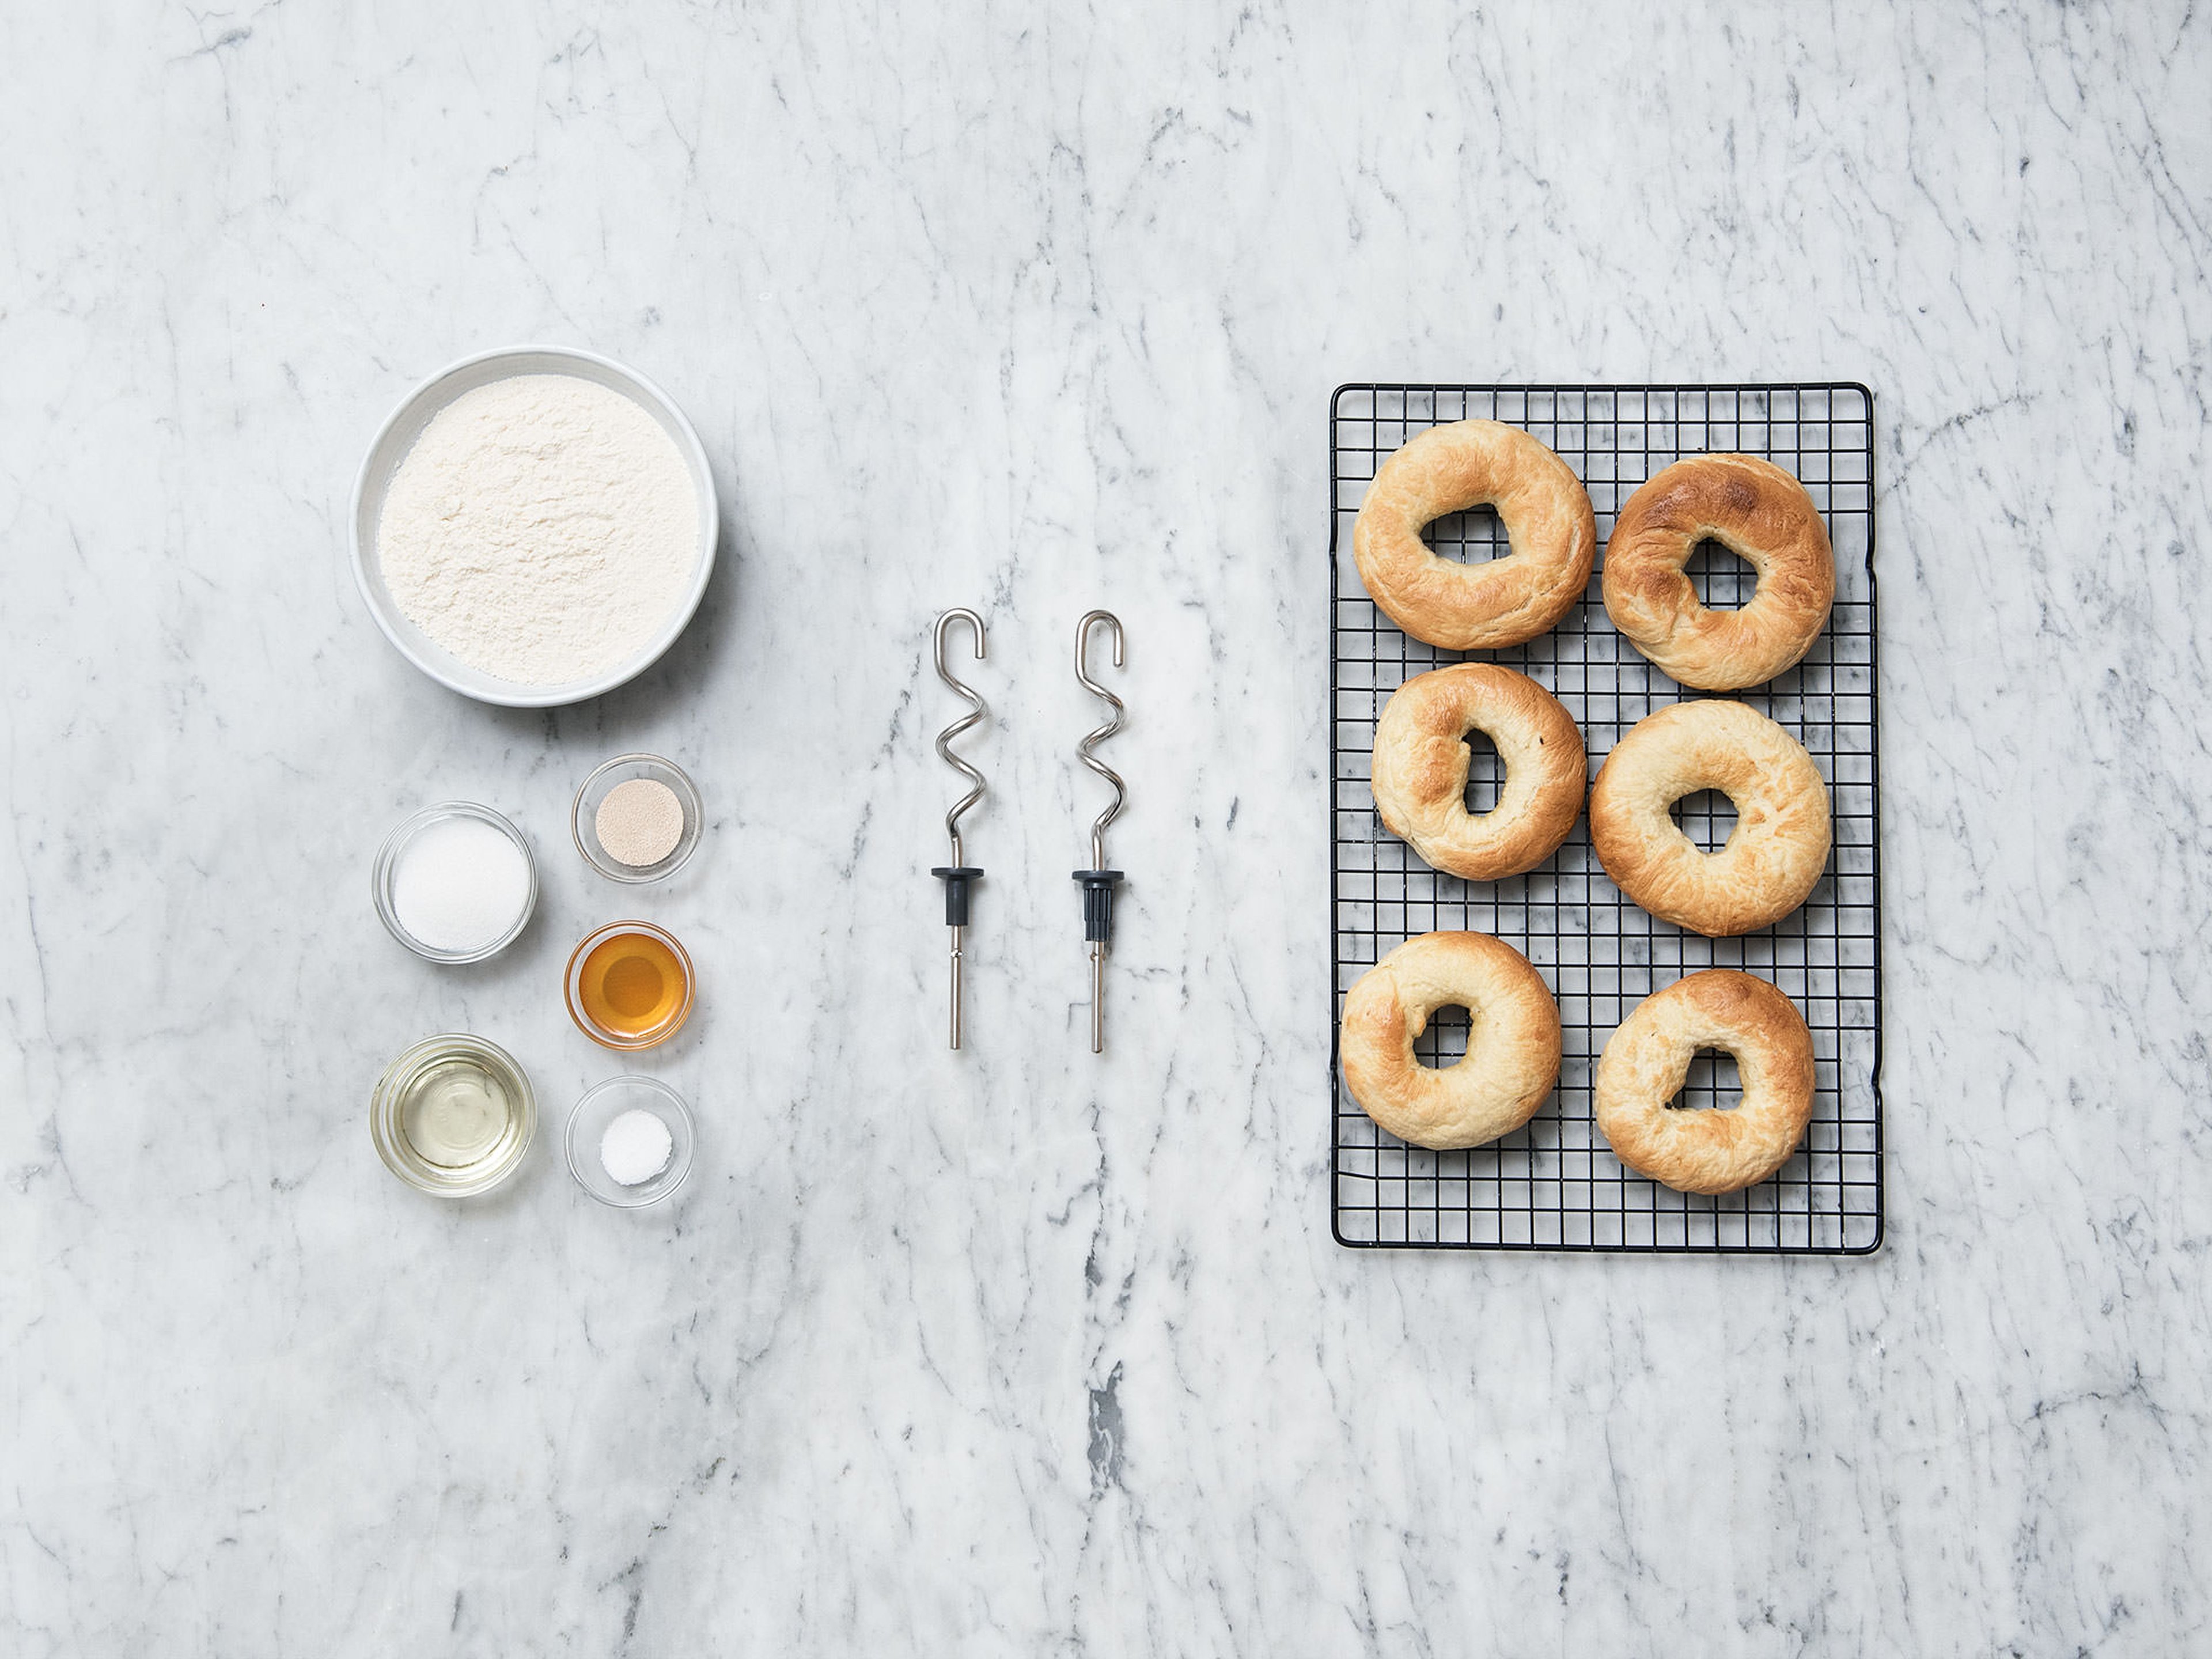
[629, 985]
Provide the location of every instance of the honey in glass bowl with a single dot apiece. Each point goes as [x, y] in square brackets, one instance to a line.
[629, 985]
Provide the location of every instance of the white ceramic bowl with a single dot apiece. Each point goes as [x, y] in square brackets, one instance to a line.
[397, 435]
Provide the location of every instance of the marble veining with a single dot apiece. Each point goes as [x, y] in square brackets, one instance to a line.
[1018, 1350]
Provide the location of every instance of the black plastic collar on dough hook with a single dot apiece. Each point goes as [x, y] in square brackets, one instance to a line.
[1099, 887]
[956, 877]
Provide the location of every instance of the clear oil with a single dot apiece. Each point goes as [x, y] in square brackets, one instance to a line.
[456, 1114]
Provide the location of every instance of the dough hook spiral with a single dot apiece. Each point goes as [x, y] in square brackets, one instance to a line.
[1113, 725]
[1098, 882]
[957, 875]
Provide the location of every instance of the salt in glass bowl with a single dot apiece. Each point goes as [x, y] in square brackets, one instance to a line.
[387, 867]
[387, 1125]
[605, 778]
[397, 435]
[587, 1125]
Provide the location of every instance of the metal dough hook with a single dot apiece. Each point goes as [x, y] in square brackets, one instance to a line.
[1098, 882]
[958, 874]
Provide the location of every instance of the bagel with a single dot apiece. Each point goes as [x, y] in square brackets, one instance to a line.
[1755, 510]
[1773, 859]
[1502, 601]
[1420, 766]
[1701, 1148]
[1512, 1057]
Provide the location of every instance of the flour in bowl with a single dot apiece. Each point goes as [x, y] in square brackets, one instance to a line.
[544, 529]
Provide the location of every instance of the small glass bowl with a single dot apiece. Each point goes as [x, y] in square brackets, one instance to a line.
[387, 867]
[587, 1125]
[583, 818]
[387, 1114]
[573, 988]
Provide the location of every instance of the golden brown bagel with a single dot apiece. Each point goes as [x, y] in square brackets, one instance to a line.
[1700, 1149]
[1512, 1057]
[1503, 601]
[1780, 843]
[1419, 771]
[1755, 510]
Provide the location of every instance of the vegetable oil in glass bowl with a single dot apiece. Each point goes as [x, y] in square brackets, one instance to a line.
[453, 1115]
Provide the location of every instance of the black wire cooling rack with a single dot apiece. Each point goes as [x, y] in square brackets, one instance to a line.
[1554, 1184]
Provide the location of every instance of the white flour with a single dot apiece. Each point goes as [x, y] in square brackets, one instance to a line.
[542, 529]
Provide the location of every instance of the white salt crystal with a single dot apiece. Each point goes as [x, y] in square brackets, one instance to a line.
[635, 1148]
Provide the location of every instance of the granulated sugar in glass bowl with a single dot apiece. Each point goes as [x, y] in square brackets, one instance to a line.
[455, 882]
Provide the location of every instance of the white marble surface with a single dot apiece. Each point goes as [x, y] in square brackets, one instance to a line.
[1019, 1351]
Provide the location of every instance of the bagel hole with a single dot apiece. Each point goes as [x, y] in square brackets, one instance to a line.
[1708, 818]
[1471, 537]
[1725, 580]
[1485, 773]
[1713, 1082]
[1444, 1042]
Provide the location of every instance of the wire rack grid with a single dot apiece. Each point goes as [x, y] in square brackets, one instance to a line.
[1554, 1184]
